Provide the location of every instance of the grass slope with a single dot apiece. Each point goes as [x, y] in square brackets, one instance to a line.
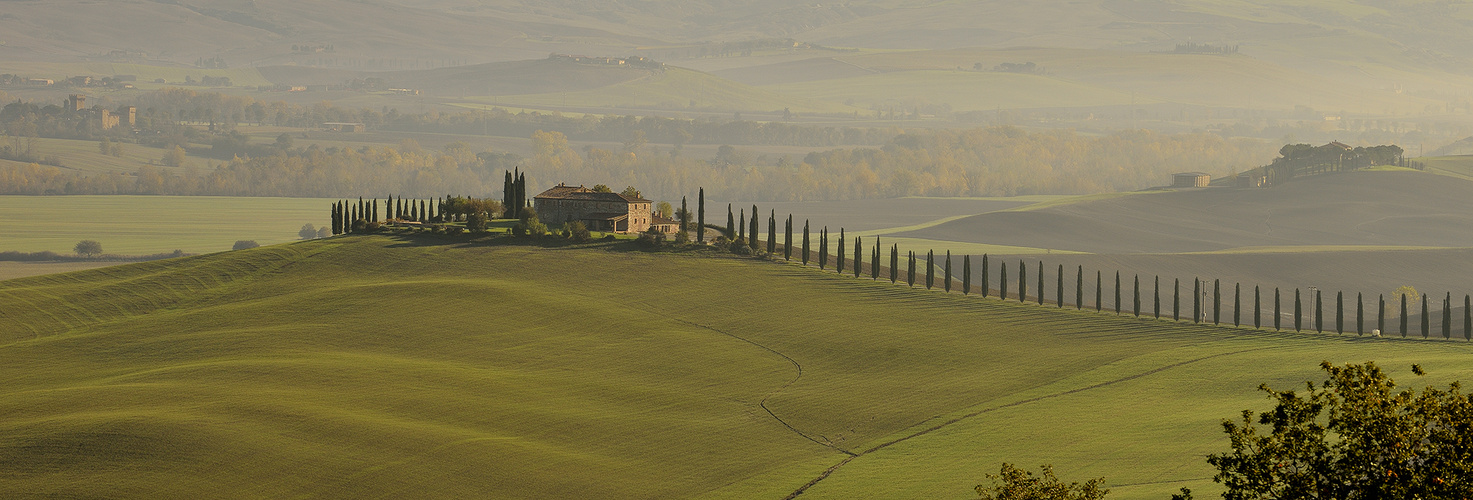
[382, 367]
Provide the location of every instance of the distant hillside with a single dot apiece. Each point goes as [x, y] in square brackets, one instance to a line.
[503, 78]
[1402, 208]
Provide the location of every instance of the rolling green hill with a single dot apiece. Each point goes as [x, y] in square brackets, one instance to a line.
[383, 366]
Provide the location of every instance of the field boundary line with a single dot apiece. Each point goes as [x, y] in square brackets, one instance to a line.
[827, 472]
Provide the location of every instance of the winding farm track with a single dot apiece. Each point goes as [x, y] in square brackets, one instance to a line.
[827, 472]
[797, 366]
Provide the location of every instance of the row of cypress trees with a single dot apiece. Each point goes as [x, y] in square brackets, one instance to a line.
[856, 265]
[348, 216]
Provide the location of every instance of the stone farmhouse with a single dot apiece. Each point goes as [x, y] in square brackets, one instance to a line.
[607, 212]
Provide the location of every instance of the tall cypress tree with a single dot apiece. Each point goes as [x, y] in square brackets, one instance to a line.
[1059, 288]
[839, 263]
[930, 268]
[986, 278]
[730, 222]
[752, 231]
[858, 255]
[1117, 293]
[1381, 313]
[788, 238]
[910, 274]
[1447, 316]
[507, 198]
[701, 218]
[823, 247]
[1136, 297]
[967, 274]
[1099, 295]
[1426, 319]
[1156, 290]
[1403, 315]
[684, 216]
[1360, 316]
[1022, 282]
[1176, 299]
[1319, 315]
[374, 213]
[1216, 301]
[1002, 289]
[1257, 310]
[894, 263]
[1298, 313]
[1467, 317]
[1237, 303]
[1339, 312]
[805, 243]
[948, 272]
[1079, 289]
[1197, 300]
[741, 227]
[772, 233]
[1278, 317]
[1040, 284]
[874, 263]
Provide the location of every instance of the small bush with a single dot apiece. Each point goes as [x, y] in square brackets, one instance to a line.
[372, 227]
[536, 229]
[609, 237]
[518, 230]
[651, 240]
[579, 232]
[454, 230]
[360, 225]
[476, 222]
[307, 232]
[682, 238]
[245, 245]
[741, 249]
[88, 248]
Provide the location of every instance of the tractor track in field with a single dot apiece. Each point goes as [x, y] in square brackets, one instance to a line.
[828, 472]
[796, 365]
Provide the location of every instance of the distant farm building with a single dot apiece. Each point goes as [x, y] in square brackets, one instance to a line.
[343, 127]
[599, 211]
[1190, 179]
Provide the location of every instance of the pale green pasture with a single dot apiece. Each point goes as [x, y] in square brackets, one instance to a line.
[135, 225]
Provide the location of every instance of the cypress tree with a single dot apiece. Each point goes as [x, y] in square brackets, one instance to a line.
[1403, 315]
[772, 232]
[1467, 317]
[1360, 315]
[1099, 286]
[1447, 316]
[1381, 313]
[741, 227]
[752, 232]
[1339, 312]
[986, 278]
[684, 216]
[701, 219]
[1002, 289]
[1237, 303]
[1257, 310]
[1216, 300]
[1197, 301]
[930, 268]
[1156, 290]
[1040, 284]
[506, 198]
[822, 247]
[1278, 317]
[874, 263]
[1022, 282]
[805, 243]
[948, 272]
[375, 210]
[1079, 289]
[1137, 296]
[1176, 299]
[911, 272]
[858, 255]
[788, 238]
[967, 274]
[839, 263]
[894, 263]
[521, 193]
[730, 222]
[1426, 319]
[1298, 313]
[1059, 288]
[1117, 293]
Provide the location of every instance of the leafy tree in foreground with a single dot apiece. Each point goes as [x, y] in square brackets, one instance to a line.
[1012, 483]
[1353, 436]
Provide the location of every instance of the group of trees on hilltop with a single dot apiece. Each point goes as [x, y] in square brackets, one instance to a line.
[1303, 159]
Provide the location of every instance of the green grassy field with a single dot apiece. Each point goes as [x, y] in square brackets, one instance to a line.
[387, 366]
[138, 225]
[85, 156]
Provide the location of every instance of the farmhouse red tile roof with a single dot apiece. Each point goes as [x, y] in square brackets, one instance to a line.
[582, 193]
